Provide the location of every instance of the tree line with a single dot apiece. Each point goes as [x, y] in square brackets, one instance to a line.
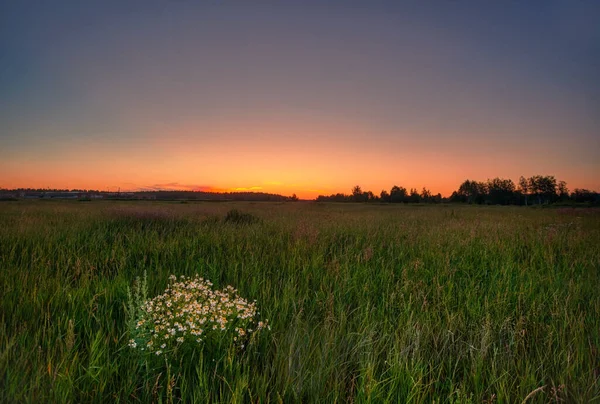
[535, 190]
[46, 193]
[396, 194]
[218, 196]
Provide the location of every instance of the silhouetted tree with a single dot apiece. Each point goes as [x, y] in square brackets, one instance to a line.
[543, 187]
[384, 196]
[398, 194]
[357, 194]
[457, 198]
[472, 191]
[585, 195]
[563, 191]
[425, 195]
[524, 188]
[414, 196]
[500, 191]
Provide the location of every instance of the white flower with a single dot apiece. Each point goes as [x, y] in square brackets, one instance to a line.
[188, 304]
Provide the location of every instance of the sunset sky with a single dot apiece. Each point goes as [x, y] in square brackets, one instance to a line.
[305, 97]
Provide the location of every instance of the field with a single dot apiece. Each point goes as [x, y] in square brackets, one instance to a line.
[367, 303]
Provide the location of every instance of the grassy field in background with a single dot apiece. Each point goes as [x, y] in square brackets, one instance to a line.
[367, 303]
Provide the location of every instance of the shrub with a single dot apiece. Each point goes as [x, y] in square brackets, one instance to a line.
[188, 316]
[236, 217]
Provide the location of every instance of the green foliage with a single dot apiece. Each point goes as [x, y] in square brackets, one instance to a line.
[136, 301]
[234, 216]
[187, 317]
[367, 302]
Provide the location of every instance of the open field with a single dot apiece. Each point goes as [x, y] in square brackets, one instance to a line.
[367, 303]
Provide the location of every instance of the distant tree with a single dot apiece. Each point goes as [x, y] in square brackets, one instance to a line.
[414, 196]
[580, 195]
[457, 198]
[384, 196]
[524, 188]
[426, 195]
[549, 188]
[535, 187]
[500, 191]
[339, 197]
[293, 198]
[357, 194]
[398, 194]
[543, 187]
[472, 191]
[563, 191]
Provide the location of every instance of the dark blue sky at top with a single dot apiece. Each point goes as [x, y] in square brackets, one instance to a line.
[440, 69]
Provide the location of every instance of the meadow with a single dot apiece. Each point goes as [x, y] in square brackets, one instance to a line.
[366, 302]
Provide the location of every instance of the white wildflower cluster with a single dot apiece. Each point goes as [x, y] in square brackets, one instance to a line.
[189, 311]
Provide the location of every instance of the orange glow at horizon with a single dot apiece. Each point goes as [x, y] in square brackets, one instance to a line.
[282, 157]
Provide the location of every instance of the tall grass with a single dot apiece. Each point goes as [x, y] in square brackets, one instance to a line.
[366, 303]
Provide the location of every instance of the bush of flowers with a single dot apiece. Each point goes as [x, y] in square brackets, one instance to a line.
[189, 315]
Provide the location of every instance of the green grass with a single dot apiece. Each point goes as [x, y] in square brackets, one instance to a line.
[367, 303]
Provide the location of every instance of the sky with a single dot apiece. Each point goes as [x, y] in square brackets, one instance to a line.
[305, 97]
